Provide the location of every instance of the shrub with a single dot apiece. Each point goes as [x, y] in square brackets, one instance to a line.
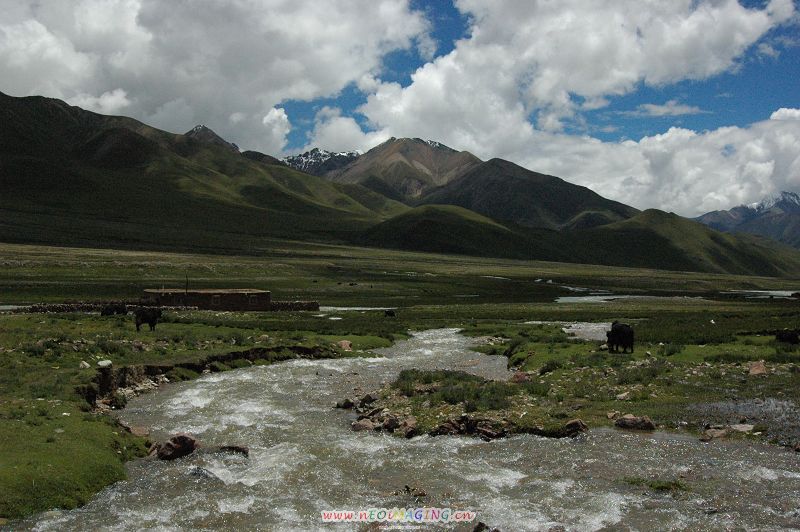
[549, 366]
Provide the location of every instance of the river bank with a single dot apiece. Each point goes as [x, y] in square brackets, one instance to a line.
[304, 459]
[42, 355]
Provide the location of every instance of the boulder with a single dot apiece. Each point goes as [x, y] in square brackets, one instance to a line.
[345, 403]
[202, 472]
[711, 434]
[757, 368]
[742, 427]
[624, 396]
[104, 363]
[390, 423]
[177, 446]
[366, 400]
[519, 377]
[629, 421]
[345, 345]
[141, 432]
[408, 427]
[84, 365]
[574, 427]
[235, 449]
[613, 415]
[362, 425]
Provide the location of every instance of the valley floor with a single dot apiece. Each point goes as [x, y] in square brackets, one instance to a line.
[691, 366]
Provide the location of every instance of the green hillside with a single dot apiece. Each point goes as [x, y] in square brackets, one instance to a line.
[505, 191]
[70, 176]
[451, 229]
[672, 242]
[76, 178]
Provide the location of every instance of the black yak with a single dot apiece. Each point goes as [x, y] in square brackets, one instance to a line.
[114, 308]
[788, 336]
[620, 335]
[148, 315]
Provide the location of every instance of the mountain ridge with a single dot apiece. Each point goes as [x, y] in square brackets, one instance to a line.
[776, 216]
[74, 177]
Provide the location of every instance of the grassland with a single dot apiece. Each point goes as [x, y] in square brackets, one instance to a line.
[49, 459]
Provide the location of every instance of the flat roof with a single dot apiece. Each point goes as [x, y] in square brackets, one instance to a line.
[206, 291]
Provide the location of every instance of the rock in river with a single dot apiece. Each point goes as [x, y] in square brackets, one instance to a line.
[177, 446]
[629, 421]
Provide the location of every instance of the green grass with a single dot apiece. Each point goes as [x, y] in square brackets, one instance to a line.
[40, 353]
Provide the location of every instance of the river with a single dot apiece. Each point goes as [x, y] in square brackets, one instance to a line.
[304, 459]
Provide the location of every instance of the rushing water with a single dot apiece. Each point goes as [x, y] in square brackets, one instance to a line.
[304, 459]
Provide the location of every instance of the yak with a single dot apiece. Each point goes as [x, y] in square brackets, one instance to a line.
[788, 336]
[148, 315]
[114, 308]
[620, 335]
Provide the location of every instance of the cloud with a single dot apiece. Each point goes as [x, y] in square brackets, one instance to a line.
[108, 103]
[277, 126]
[785, 114]
[670, 108]
[335, 132]
[539, 63]
[183, 63]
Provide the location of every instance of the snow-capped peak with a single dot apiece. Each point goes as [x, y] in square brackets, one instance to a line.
[317, 161]
[782, 200]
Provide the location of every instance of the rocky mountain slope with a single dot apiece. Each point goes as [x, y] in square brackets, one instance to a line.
[776, 216]
[320, 162]
[403, 169]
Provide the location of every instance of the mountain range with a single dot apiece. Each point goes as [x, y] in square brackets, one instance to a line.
[776, 216]
[74, 177]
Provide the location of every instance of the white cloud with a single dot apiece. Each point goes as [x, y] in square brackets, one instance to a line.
[335, 132]
[548, 61]
[108, 103]
[277, 127]
[785, 114]
[182, 63]
[670, 108]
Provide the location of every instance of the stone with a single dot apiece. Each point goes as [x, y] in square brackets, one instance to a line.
[345, 403]
[390, 423]
[629, 421]
[757, 368]
[624, 396]
[179, 445]
[603, 347]
[366, 400]
[408, 427]
[235, 449]
[345, 345]
[141, 432]
[104, 363]
[84, 365]
[742, 427]
[202, 472]
[613, 415]
[520, 377]
[711, 434]
[574, 427]
[362, 425]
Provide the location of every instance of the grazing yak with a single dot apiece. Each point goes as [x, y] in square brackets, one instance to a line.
[788, 336]
[148, 315]
[114, 308]
[620, 335]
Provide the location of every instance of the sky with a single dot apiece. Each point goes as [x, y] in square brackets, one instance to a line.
[683, 105]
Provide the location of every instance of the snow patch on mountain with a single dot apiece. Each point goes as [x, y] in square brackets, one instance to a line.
[317, 162]
[783, 200]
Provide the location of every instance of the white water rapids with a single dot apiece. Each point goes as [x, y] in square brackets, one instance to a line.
[304, 459]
